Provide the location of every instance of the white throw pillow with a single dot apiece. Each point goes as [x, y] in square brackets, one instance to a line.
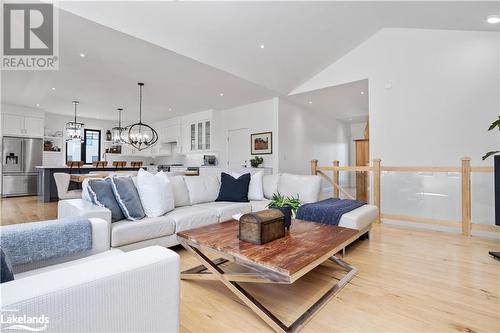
[202, 188]
[255, 189]
[270, 185]
[307, 187]
[155, 191]
[180, 189]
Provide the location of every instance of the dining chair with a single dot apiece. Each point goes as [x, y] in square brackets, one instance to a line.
[62, 183]
[136, 164]
[100, 164]
[119, 164]
[74, 165]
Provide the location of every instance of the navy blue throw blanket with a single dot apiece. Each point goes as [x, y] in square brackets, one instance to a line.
[328, 211]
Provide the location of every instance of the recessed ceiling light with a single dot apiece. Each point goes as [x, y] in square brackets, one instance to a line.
[53, 88]
[221, 94]
[37, 105]
[362, 93]
[82, 55]
[310, 102]
[262, 46]
[169, 109]
[349, 119]
[493, 19]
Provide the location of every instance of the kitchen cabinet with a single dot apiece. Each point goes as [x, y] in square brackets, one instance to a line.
[200, 135]
[22, 125]
[172, 133]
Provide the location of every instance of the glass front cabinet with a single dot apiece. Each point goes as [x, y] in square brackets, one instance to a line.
[200, 136]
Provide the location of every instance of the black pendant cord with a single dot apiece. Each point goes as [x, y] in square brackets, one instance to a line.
[140, 102]
[76, 103]
[120, 117]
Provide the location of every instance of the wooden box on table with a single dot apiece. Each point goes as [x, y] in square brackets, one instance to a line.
[262, 227]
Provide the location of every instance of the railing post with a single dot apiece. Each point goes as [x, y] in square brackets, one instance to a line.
[314, 167]
[336, 179]
[376, 185]
[466, 197]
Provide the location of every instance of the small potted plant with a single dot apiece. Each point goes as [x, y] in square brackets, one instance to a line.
[255, 162]
[287, 205]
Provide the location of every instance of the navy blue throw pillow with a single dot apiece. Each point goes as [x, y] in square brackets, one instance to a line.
[232, 189]
[6, 273]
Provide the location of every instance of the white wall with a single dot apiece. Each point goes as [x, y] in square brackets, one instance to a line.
[444, 92]
[432, 96]
[307, 135]
[257, 117]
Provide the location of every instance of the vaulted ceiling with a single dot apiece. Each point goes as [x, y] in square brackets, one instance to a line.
[188, 53]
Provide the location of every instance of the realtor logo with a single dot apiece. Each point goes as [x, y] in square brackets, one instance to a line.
[29, 36]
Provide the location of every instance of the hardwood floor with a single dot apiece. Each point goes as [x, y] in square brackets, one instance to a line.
[409, 280]
[26, 209]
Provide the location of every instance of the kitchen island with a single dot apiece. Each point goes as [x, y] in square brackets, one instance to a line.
[46, 185]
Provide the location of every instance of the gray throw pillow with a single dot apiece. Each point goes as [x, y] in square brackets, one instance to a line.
[6, 273]
[101, 194]
[128, 198]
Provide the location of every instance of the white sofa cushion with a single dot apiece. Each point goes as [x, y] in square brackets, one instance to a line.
[225, 210]
[259, 205]
[270, 185]
[190, 217]
[202, 188]
[359, 218]
[126, 232]
[255, 188]
[307, 187]
[155, 191]
[181, 194]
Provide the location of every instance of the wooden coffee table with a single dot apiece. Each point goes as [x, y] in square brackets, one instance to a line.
[282, 261]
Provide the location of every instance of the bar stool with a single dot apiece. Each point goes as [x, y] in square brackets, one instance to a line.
[74, 165]
[119, 164]
[62, 183]
[100, 164]
[136, 164]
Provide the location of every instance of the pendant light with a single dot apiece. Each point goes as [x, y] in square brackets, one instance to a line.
[74, 130]
[140, 135]
[118, 133]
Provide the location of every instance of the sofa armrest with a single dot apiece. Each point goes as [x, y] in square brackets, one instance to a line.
[136, 291]
[80, 207]
[101, 235]
[101, 241]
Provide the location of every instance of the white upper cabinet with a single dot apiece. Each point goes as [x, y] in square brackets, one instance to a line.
[13, 125]
[33, 126]
[22, 125]
[200, 135]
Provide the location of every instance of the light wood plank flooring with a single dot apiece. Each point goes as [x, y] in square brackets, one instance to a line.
[409, 281]
[26, 209]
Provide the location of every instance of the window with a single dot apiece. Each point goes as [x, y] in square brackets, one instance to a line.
[87, 151]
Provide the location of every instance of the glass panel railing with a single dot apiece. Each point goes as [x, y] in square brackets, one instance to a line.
[483, 198]
[433, 195]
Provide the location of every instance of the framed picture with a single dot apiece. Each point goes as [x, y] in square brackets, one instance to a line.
[262, 143]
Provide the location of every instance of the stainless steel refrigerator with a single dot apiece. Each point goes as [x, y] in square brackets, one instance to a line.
[20, 156]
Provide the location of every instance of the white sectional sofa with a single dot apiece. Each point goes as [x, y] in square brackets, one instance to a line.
[196, 206]
[98, 290]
